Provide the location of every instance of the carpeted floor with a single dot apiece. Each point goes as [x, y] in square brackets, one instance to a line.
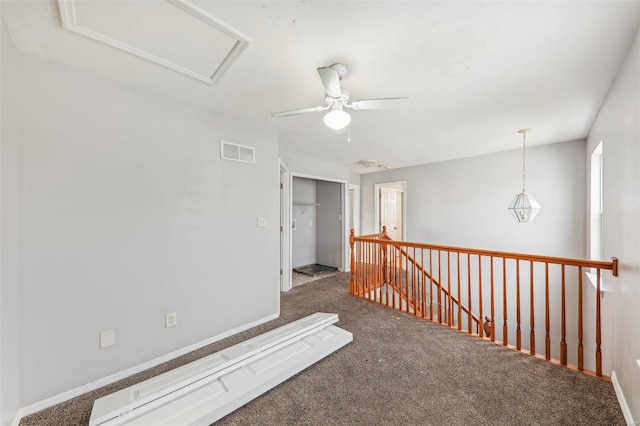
[399, 370]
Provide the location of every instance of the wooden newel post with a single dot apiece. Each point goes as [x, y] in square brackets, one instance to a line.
[352, 282]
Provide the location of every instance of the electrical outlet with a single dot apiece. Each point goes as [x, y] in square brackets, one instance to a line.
[262, 222]
[171, 319]
[107, 338]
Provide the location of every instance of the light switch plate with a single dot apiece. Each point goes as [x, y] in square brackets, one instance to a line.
[262, 222]
[107, 338]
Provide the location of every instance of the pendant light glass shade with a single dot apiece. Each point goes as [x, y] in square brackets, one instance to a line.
[524, 207]
[337, 119]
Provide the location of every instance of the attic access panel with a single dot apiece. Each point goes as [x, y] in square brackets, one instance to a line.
[173, 33]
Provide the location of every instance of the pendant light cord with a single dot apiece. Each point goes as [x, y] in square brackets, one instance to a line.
[524, 138]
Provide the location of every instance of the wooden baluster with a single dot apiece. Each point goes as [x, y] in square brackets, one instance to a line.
[563, 341]
[518, 316]
[381, 293]
[547, 326]
[505, 326]
[580, 331]
[371, 271]
[405, 288]
[414, 287]
[363, 268]
[431, 284]
[470, 320]
[417, 297]
[385, 272]
[365, 276]
[352, 280]
[440, 307]
[598, 331]
[459, 297]
[450, 299]
[493, 322]
[361, 275]
[480, 326]
[532, 313]
[374, 270]
[423, 285]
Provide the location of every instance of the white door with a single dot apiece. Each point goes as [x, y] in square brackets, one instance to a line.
[391, 212]
[390, 209]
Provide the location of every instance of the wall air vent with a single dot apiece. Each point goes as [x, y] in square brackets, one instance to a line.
[236, 152]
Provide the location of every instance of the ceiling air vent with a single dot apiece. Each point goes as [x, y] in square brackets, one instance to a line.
[236, 152]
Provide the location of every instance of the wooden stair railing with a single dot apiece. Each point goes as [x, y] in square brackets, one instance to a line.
[467, 281]
[436, 282]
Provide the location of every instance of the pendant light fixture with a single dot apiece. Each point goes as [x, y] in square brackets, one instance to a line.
[524, 206]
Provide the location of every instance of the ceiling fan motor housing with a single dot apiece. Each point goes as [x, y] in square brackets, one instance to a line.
[343, 99]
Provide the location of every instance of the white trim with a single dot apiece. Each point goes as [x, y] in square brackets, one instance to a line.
[622, 400]
[68, 17]
[356, 207]
[65, 396]
[285, 218]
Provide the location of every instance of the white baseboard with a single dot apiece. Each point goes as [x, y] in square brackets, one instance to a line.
[64, 396]
[622, 401]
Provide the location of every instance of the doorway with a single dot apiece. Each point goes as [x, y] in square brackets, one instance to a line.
[390, 208]
[354, 208]
[317, 227]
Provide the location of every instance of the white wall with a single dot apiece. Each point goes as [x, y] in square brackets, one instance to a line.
[9, 118]
[464, 202]
[618, 125]
[329, 223]
[303, 238]
[126, 212]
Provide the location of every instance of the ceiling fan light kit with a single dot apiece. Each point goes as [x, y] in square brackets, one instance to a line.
[524, 207]
[337, 118]
[337, 99]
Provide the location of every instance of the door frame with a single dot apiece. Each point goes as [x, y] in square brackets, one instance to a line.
[356, 208]
[285, 231]
[376, 195]
[344, 210]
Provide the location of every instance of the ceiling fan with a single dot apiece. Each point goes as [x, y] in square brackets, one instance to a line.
[338, 98]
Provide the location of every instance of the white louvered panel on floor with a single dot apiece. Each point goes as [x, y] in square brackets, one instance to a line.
[203, 391]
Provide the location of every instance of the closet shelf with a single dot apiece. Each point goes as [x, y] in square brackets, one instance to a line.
[304, 206]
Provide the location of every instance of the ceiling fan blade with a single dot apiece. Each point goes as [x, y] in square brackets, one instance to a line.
[385, 103]
[299, 111]
[331, 81]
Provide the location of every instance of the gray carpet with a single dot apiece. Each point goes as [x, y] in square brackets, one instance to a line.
[399, 370]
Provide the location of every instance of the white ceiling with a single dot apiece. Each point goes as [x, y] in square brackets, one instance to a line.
[475, 72]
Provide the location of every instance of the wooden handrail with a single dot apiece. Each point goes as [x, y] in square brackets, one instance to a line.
[394, 274]
[611, 265]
